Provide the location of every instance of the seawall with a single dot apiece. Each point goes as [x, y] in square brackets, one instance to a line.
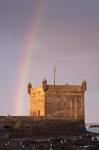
[28, 126]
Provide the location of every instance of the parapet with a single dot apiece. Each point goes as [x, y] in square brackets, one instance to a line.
[60, 88]
[84, 85]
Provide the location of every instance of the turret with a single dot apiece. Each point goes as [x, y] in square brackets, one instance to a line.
[29, 87]
[44, 84]
[84, 85]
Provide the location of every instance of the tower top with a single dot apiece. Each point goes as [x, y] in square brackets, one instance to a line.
[84, 85]
[44, 84]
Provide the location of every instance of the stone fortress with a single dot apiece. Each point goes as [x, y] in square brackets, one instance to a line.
[55, 111]
[56, 121]
[57, 101]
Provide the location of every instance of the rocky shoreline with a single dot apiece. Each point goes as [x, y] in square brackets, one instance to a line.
[82, 141]
[72, 142]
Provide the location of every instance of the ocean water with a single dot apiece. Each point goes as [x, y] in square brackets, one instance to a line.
[93, 130]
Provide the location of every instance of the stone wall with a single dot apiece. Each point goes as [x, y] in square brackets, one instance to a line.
[65, 102]
[22, 126]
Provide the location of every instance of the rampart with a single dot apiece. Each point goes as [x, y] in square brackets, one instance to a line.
[40, 127]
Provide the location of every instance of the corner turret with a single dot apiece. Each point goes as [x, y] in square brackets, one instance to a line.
[84, 85]
[29, 87]
[44, 84]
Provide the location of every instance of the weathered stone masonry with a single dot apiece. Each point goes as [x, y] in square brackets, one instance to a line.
[57, 101]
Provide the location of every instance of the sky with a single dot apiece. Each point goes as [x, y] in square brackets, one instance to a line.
[35, 35]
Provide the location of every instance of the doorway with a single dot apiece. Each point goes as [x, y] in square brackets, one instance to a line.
[38, 113]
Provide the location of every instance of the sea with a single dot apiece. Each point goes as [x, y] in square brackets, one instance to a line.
[93, 129]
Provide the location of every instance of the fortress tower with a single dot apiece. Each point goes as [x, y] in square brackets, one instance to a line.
[57, 101]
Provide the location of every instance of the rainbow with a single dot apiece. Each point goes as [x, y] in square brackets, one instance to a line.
[26, 52]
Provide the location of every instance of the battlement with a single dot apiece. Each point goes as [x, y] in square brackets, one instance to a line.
[65, 88]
